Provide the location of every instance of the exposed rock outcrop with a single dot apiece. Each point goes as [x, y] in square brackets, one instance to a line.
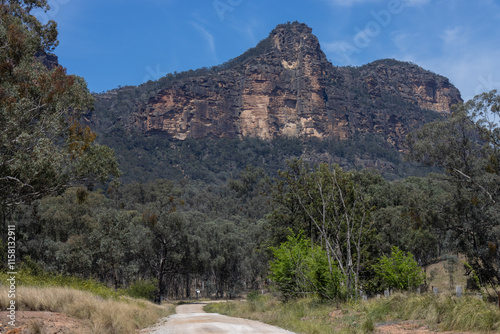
[286, 87]
[49, 60]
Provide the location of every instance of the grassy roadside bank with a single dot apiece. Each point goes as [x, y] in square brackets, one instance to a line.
[310, 316]
[118, 315]
[37, 277]
[101, 309]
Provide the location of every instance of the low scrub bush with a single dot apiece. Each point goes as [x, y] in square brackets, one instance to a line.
[142, 289]
[301, 269]
[400, 271]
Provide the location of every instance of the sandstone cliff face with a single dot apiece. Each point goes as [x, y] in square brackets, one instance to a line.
[287, 87]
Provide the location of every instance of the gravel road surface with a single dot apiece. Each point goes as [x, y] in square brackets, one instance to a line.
[190, 318]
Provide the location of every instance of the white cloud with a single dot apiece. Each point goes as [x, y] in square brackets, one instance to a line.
[249, 27]
[454, 36]
[343, 53]
[401, 40]
[209, 38]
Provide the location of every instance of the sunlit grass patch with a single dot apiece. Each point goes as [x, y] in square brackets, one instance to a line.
[445, 311]
[103, 315]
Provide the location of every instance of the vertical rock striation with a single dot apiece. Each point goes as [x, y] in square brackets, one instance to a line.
[286, 87]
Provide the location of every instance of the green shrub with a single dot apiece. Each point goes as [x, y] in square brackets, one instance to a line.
[142, 289]
[302, 269]
[398, 271]
[254, 295]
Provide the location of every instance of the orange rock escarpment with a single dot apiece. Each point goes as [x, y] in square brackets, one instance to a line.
[286, 87]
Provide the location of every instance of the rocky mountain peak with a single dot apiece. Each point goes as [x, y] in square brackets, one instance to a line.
[293, 41]
[289, 45]
[285, 87]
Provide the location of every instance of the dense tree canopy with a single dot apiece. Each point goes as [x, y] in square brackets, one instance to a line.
[330, 206]
[43, 147]
[467, 146]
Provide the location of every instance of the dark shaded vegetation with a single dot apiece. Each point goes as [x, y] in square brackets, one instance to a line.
[212, 160]
[175, 237]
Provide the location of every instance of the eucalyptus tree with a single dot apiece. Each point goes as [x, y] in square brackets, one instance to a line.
[467, 147]
[411, 214]
[328, 204]
[225, 245]
[43, 146]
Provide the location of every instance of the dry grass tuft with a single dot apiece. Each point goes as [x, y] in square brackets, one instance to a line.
[310, 316]
[35, 327]
[445, 311]
[117, 316]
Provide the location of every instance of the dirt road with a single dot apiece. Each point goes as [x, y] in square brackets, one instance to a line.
[191, 318]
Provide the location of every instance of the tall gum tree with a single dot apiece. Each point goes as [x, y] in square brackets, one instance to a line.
[43, 146]
[328, 204]
[467, 147]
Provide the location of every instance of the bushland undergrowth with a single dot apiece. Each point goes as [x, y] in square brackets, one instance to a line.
[41, 278]
[311, 316]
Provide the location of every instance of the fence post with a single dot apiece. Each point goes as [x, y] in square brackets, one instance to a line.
[363, 295]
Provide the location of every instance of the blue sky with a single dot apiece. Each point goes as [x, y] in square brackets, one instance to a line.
[121, 42]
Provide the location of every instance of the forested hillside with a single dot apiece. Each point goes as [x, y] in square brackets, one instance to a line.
[279, 100]
[180, 236]
[300, 216]
[213, 160]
